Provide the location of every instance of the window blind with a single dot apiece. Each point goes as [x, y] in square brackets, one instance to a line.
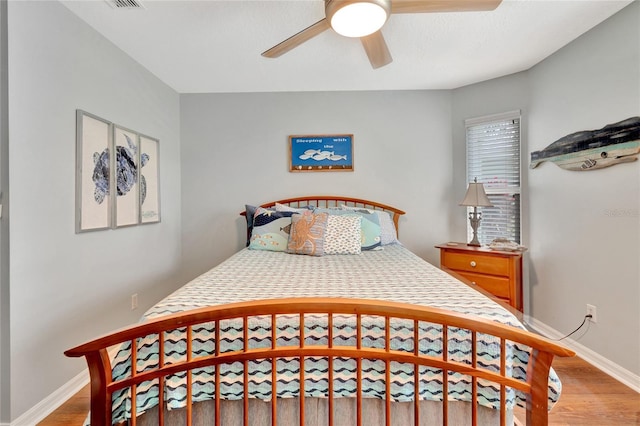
[493, 157]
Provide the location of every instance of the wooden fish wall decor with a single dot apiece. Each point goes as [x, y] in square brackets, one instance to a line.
[594, 149]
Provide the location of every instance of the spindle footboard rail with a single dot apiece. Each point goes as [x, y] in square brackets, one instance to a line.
[103, 386]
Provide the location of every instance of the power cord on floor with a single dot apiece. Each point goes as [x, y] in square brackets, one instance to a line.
[586, 317]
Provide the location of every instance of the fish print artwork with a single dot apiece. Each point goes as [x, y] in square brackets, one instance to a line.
[126, 171]
[317, 155]
[594, 149]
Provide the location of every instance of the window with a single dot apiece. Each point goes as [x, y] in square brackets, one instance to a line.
[493, 157]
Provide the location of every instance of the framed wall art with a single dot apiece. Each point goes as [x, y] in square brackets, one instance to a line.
[127, 205]
[149, 180]
[321, 153]
[93, 180]
[117, 175]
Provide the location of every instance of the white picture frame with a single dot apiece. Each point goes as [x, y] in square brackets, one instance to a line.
[93, 177]
[117, 175]
[149, 180]
[126, 181]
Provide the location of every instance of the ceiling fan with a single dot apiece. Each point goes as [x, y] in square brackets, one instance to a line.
[365, 18]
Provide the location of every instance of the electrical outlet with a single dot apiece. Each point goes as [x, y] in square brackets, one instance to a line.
[591, 310]
[134, 301]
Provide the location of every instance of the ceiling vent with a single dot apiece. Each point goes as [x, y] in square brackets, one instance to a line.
[125, 4]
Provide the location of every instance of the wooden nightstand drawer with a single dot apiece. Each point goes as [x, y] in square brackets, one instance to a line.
[495, 285]
[477, 263]
[497, 272]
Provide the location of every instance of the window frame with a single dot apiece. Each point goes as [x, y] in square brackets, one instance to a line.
[508, 190]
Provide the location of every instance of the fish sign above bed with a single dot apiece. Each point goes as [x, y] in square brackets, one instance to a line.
[594, 149]
[321, 153]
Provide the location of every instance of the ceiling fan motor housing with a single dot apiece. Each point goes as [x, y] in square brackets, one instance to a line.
[339, 8]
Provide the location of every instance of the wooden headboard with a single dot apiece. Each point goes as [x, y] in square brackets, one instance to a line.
[336, 201]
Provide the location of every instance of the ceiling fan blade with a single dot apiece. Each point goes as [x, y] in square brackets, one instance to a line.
[376, 49]
[434, 6]
[297, 39]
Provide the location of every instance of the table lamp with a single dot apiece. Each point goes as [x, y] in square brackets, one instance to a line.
[475, 197]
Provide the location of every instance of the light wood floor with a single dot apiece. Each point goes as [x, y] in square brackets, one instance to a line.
[589, 397]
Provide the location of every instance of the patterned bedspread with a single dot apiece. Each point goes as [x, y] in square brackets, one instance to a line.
[392, 274]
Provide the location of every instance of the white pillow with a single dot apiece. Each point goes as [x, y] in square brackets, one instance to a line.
[286, 208]
[342, 235]
[388, 234]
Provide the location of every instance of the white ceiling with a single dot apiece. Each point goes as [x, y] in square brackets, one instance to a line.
[215, 45]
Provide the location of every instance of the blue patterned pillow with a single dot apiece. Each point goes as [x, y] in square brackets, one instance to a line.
[250, 212]
[270, 230]
[369, 226]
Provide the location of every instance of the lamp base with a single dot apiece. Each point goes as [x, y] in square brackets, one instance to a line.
[474, 220]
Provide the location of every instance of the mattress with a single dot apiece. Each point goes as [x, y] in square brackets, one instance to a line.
[391, 274]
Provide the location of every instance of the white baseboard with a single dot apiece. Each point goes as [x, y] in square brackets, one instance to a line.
[612, 369]
[38, 412]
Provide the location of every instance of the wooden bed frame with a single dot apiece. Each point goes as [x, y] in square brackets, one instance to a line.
[535, 387]
[328, 201]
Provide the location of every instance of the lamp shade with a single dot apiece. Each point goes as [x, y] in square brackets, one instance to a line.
[476, 197]
[357, 18]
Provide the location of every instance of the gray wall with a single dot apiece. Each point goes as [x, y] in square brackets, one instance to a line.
[220, 151]
[4, 223]
[66, 288]
[582, 228]
[585, 226]
[234, 152]
[496, 96]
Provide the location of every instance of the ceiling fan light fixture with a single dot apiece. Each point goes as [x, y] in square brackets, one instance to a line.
[357, 18]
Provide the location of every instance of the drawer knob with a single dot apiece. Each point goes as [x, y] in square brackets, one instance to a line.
[473, 263]
[473, 282]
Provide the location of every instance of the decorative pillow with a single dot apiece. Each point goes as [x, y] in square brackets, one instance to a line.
[369, 226]
[250, 212]
[270, 230]
[307, 233]
[388, 233]
[343, 235]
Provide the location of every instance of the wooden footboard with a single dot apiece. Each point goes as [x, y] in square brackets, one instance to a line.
[535, 387]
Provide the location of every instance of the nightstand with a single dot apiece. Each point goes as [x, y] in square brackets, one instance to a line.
[498, 272]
